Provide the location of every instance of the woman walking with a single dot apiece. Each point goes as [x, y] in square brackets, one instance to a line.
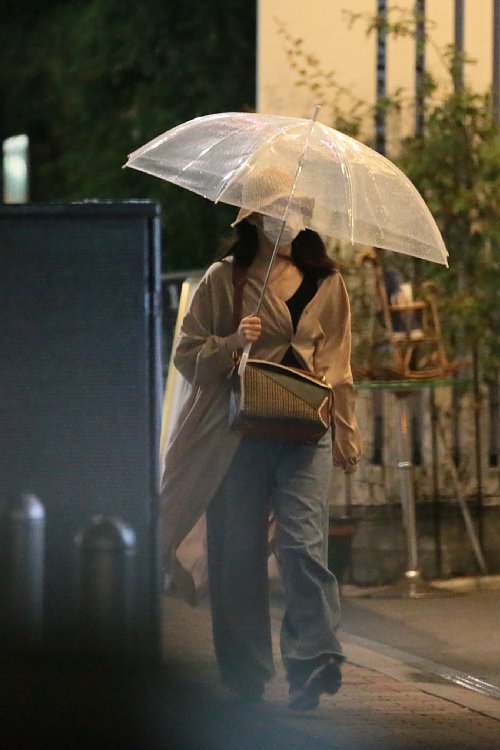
[304, 322]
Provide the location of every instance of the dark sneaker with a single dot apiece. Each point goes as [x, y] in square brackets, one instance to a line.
[327, 678]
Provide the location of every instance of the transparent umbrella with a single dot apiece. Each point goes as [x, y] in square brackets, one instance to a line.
[298, 170]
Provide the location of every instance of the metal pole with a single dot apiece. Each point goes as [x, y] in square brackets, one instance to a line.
[456, 407]
[459, 45]
[411, 586]
[378, 402]
[496, 61]
[494, 436]
[458, 81]
[419, 67]
[405, 467]
[478, 441]
[435, 483]
[381, 83]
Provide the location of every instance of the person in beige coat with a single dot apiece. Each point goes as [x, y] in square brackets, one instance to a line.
[304, 321]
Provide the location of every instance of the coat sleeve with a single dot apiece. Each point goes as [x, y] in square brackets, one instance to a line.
[201, 355]
[333, 360]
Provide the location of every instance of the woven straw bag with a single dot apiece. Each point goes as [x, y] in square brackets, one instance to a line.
[280, 403]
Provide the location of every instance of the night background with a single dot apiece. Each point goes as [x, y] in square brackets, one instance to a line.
[89, 82]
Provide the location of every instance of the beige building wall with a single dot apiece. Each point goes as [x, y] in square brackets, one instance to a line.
[324, 28]
[352, 55]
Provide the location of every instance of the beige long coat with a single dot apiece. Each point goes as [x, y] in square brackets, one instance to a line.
[202, 445]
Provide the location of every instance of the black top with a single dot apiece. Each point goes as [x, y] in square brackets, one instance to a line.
[296, 304]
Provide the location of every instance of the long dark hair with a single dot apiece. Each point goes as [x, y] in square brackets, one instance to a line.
[308, 250]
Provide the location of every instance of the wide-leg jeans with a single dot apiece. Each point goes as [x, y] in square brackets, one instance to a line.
[293, 482]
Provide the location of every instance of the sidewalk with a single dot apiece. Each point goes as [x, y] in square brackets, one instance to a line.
[383, 704]
[458, 627]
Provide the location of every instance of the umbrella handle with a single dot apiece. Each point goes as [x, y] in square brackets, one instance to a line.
[244, 359]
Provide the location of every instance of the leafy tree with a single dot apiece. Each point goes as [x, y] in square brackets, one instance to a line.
[456, 167]
[94, 80]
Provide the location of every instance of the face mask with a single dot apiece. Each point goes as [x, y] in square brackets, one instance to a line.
[272, 227]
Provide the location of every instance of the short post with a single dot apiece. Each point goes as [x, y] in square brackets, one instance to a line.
[23, 528]
[106, 587]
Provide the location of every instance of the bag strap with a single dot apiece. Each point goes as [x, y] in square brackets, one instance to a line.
[239, 277]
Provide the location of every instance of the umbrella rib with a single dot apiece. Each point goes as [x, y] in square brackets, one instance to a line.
[244, 162]
[206, 151]
[232, 177]
[235, 172]
[350, 199]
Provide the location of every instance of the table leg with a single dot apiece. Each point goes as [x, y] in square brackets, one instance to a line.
[405, 469]
[411, 586]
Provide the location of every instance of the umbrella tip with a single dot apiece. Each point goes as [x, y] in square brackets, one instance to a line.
[316, 112]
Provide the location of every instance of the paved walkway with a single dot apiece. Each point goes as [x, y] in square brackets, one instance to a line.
[460, 631]
[383, 705]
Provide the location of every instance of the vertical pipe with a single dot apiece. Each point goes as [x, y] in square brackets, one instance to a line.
[416, 428]
[406, 482]
[494, 403]
[381, 80]
[438, 552]
[496, 61]
[378, 428]
[419, 67]
[456, 407]
[458, 66]
[478, 443]
[458, 81]
[420, 45]
[494, 452]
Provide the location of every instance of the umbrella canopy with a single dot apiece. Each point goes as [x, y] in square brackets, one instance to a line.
[343, 189]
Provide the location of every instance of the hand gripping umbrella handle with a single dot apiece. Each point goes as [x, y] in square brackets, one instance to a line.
[244, 359]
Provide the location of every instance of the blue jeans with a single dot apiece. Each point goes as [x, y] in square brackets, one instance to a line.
[293, 481]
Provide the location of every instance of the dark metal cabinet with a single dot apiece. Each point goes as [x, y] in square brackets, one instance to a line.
[80, 385]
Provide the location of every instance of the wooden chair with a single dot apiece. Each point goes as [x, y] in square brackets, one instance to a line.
[414, 349]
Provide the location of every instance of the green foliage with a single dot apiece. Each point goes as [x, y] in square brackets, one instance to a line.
[95, 80]
[455, 166]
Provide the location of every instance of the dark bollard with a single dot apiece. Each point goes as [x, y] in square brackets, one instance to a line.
[106, 590]
[23, 532]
